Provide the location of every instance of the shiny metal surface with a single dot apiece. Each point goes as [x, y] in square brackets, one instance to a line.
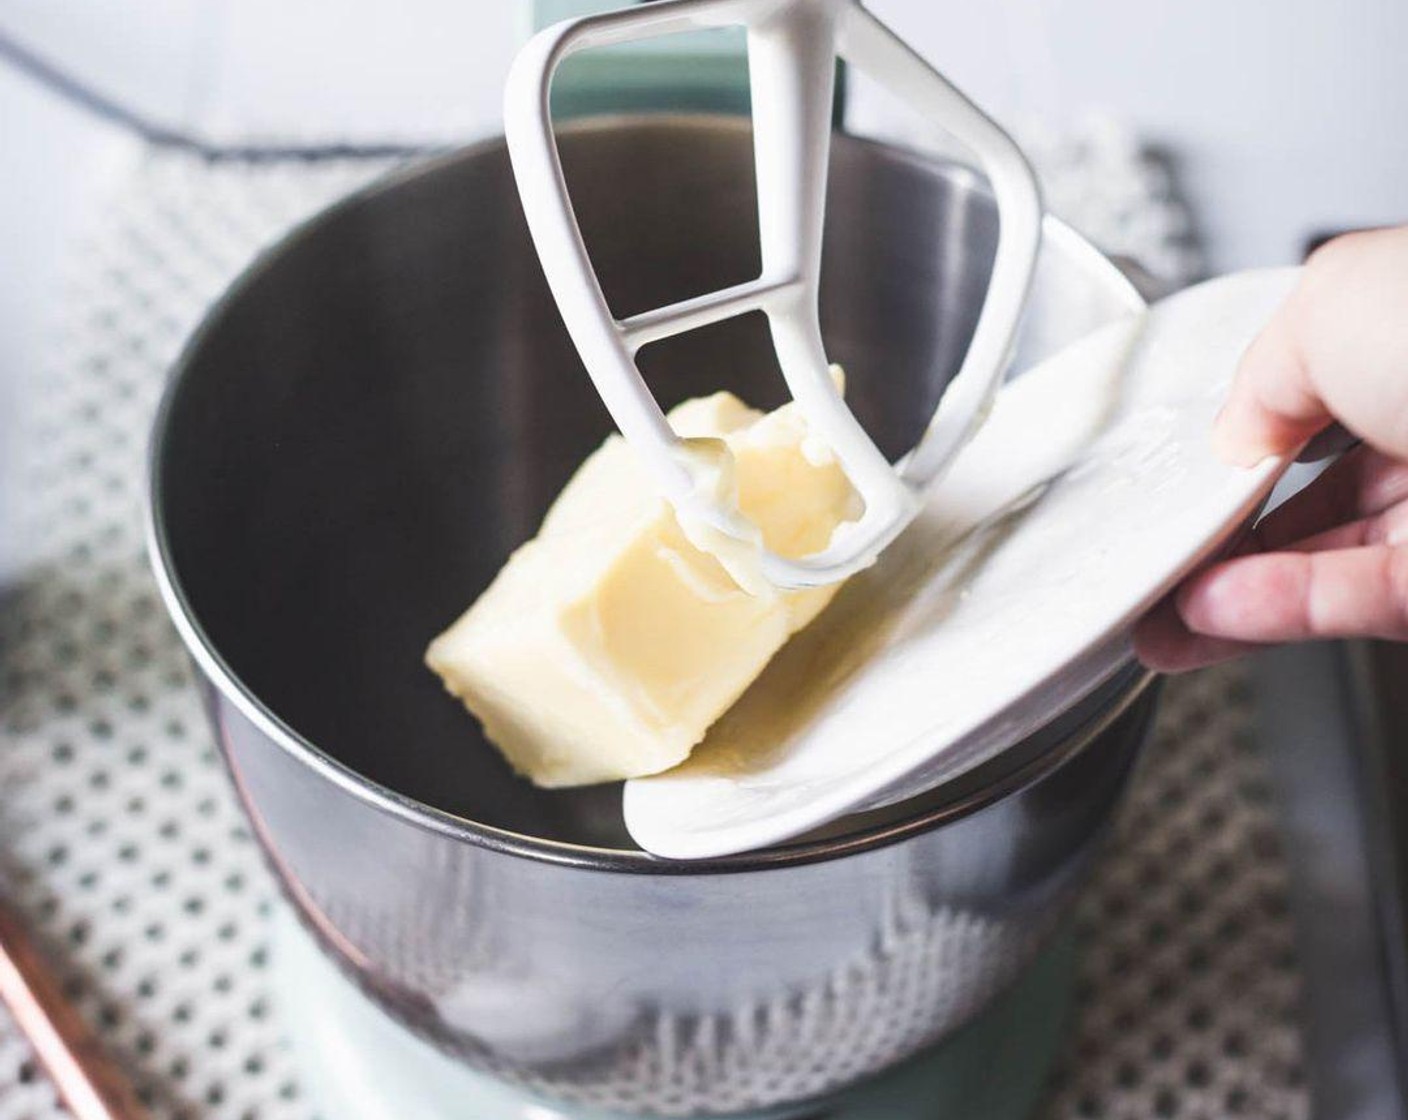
[367, 425]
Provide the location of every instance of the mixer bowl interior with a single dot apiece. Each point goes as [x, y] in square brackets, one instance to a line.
[382, 410]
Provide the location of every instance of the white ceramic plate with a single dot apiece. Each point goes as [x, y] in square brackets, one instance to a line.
[1089, 491]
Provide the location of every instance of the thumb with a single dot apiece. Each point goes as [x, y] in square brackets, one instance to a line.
[1337, 349]
[1273, 406]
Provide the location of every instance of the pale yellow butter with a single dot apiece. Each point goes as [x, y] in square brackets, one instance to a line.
[608, 644]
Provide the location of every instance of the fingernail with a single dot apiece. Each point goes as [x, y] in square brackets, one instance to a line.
[1232, 449]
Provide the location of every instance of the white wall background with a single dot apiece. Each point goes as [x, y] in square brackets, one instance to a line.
[1284, 115]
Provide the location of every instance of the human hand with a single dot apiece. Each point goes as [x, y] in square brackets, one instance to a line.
[1332, 561]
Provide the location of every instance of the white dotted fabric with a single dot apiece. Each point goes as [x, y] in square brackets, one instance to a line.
[121, 841]
[1189, 989]
[119, 836]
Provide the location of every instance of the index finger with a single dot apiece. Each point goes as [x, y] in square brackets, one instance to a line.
[1295, 596]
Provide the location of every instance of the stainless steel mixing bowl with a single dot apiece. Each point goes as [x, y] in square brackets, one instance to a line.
[377, 413]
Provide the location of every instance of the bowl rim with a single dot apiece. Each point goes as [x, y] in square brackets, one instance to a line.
[218, 674]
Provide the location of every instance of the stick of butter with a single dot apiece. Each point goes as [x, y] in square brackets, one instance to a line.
[609, 643]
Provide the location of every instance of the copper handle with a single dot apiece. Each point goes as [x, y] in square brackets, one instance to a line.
[88, 1081]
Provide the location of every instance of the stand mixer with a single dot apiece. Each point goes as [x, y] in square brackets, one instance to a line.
[512, 952]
